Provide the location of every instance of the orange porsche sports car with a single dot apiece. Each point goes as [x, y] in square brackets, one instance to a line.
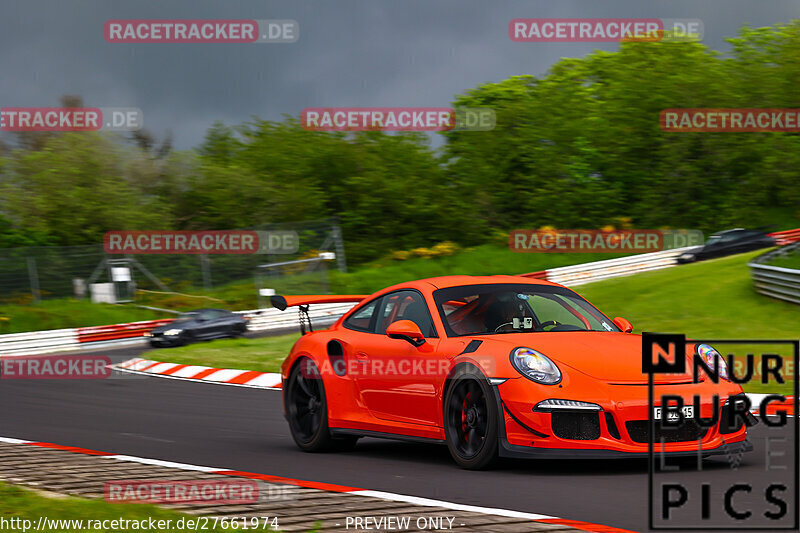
[492, 366]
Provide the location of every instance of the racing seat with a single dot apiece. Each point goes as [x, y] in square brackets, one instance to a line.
[496, 315]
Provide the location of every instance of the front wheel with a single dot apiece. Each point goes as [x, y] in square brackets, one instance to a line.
[471, 422]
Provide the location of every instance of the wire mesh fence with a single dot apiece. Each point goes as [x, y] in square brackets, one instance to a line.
[30, 273]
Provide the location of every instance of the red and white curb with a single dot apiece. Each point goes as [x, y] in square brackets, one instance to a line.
[222, 376]
[390, 496]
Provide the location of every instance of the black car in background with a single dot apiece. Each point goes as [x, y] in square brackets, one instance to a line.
[202, 324]
[733, 241]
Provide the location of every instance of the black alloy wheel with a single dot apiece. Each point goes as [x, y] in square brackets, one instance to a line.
[471, 422]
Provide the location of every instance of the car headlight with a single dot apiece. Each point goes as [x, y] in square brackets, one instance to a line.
[535, 366]
[566, 405]
[171, 332]
[710, 356]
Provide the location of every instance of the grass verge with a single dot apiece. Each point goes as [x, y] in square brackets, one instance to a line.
[66, 514]
[68, 313]
[263, 354]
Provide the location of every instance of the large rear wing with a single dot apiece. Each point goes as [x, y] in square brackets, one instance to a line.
[302, 303]
[282, 302]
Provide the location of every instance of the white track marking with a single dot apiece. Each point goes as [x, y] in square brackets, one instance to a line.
[9, 440]
[262, 387]
[414, 500]
[190, 371]
[161, 367]
[266, 380]
[426, 502]
[157, 462]
[226, 374]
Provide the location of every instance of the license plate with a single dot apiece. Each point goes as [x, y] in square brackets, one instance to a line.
[688, 412]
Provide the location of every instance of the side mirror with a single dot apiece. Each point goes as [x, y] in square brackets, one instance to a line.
[623, 324]
[406, 330]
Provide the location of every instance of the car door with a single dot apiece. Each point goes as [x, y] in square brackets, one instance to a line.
[207, 324]
[397, 380]
[221, 323]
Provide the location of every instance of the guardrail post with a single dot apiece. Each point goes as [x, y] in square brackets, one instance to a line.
[33, 276]
[204, 267]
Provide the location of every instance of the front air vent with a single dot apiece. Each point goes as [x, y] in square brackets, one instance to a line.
[576, 425]
[613, 430]
[688, 431]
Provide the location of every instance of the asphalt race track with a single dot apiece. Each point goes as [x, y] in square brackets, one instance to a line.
[243, 429]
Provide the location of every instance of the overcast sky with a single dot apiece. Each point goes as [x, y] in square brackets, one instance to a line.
[350, 53]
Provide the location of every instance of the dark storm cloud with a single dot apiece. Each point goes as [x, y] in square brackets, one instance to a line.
[350, 53]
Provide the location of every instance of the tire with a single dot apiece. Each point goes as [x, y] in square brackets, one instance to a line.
[307, 410]
[470, 422]
[187, 337]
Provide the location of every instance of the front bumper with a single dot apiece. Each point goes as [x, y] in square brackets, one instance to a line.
[163, 340]
[615, 430]
[525, 452]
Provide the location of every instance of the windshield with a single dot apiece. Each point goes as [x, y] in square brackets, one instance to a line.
[185, 317]
[516, 308]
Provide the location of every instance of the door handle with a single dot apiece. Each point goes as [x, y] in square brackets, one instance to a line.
[361, 356]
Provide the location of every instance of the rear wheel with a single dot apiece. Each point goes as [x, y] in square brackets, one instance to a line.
[307, 411]
[471, 422]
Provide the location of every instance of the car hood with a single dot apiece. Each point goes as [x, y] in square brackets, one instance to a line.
[693, 249]
[613, 357]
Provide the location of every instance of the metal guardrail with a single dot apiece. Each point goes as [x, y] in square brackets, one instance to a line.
[611, 268]
[113, 335]
[776, 282]
[35, 342]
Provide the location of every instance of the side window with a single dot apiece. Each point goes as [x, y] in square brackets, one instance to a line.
[361, 320]
[406, 305]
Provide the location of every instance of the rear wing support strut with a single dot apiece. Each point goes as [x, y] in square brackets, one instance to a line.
[302, 312]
